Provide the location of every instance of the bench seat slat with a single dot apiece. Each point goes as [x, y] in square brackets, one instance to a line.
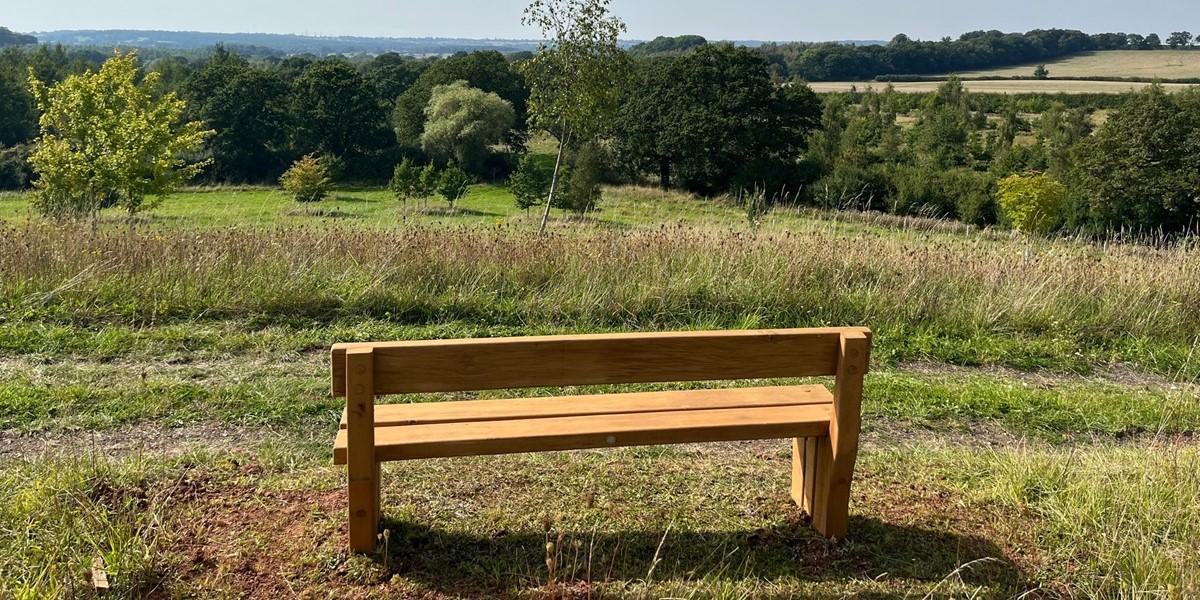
[594, 431]
[565, 406]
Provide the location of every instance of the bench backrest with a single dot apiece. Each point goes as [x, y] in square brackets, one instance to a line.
[546, 361]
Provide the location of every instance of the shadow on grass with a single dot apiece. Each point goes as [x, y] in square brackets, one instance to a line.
[463, 563]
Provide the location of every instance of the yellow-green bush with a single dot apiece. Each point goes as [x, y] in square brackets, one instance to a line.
[1032, 202]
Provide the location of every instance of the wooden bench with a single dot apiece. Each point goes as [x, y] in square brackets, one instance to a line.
[824, 426]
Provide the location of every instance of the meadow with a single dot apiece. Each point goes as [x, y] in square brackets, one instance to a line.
[1026, 86]
[1030, 419]
[1151, 64]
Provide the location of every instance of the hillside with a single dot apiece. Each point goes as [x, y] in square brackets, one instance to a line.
[1162, 64]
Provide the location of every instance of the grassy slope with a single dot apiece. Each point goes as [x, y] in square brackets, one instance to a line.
[104, 331]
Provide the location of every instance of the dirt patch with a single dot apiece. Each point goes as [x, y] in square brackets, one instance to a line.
[241, 541]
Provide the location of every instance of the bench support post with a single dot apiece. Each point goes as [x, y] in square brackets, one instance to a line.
[363, 470]
[822, 468]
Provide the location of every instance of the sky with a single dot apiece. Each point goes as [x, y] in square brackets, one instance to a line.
[715, 19]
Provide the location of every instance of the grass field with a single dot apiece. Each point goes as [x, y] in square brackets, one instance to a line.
[1030, 421]
[1000, 87]
[1152, 64]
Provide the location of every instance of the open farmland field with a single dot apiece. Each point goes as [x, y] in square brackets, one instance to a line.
[1152, 64]
[1031, 417]
[1000, 87]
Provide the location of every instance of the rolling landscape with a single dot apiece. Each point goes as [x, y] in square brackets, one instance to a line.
[186, 229]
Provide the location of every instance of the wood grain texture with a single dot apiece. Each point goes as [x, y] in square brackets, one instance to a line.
[495, 363]
[831, 515]
[359, 452]
[595, 431]
[595, 404]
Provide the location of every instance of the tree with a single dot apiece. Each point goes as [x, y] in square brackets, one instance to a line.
[307, 180]
[17, 118]
[713, 116]
[583, 184]
[406, 181]
[108, 139]
[1041, 72]
[1141, 169]
[575, 81]
[336, 112]
[489, 71]
[428, 181]
[1180, 39]
[1032, 203]
[453, 184]
[463, 123]
[391, 74]
[247, 108]
[1153, 42]
[530, 183]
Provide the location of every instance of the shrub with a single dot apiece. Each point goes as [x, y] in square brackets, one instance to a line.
[307, 180]
[427, 183]
[406, 181]
[1032, 203]
[582, 189]
[530, 184]
[453, 184]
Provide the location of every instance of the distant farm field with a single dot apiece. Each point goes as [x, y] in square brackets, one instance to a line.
[1000, 87]
[1154, 64]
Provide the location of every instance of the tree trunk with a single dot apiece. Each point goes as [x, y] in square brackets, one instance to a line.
[664, 173]
[562, 144]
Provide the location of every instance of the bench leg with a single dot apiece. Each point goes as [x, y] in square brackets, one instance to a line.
[823, 467]
[361, 466]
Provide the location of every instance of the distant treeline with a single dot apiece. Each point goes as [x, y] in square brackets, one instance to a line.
[281, 44]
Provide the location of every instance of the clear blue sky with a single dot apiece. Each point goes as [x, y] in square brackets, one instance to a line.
[716, 19]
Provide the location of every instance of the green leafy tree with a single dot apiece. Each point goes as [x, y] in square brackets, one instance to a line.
[489, 71]
[1180, 39]
[248, 109]
[1032, 203]
[1141, 169]
[576, 80]
[108, 139]
[429, 181]
[17, 118]
[1041, 72]
[307, 180]
[392, 74]
[453, 184]
[713, 116]
[406, 181]
[583, 182]
[463, 122]
[530, 183]
[335, 111]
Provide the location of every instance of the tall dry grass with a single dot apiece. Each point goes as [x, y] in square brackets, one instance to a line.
[672, 276]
